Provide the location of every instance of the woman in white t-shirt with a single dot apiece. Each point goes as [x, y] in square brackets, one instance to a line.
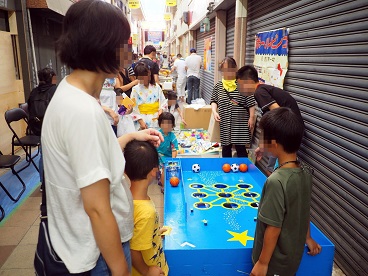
[89, 204]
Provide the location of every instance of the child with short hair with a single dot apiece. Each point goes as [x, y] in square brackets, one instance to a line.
[169, 147]
[173, 107]
[283, 215]
[142, 165]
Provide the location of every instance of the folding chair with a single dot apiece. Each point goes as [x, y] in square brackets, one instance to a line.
[8, 162]
[26, 142]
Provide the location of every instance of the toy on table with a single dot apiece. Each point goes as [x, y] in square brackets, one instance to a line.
[243, 167]
[196, 168]
[174, 181]
[235, 167]
[226, 168]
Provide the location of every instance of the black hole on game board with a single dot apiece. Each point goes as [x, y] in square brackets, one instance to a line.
[225, 195]
[196, 186]
[221, 186]
[230, 205]
[254, 204]
[201, 195]
[244, 186]
[202, 205]
[250, 194]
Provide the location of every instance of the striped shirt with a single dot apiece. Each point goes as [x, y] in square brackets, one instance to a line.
[234, 118]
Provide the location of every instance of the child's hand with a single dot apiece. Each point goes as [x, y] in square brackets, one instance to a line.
[155, 271]
[184, 122]
[259, 153]
[142, 124]
[129, 109]
[314, 248]
[251, 122]
[259, 269]
[216, 116]
[162, 230]
[115, 117]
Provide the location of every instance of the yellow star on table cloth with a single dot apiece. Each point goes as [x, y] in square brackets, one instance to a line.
[241, 237]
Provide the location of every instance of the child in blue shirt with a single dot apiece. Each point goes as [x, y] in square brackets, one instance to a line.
[169, 147]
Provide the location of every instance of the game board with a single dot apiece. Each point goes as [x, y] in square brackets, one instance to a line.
[212, 216]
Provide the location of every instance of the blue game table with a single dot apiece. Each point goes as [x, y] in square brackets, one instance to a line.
[212, 216]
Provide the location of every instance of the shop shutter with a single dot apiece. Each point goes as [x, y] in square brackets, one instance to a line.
[328, 76]
[207, 77]
[230, 28]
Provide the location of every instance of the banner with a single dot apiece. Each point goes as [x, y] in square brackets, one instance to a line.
[171, 3]
[134, 4]
[167, 16]
[271, 56]
[154, 36]
[207, 54]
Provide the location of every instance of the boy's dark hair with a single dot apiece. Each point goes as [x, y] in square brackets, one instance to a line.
[85, 44]
[149, 49]
[45, 75]
[231, 63]
[141, 157]
[166, 116]
[247, 72]
[283, 126]
[142, 69]
[178, 56]
[171, 95]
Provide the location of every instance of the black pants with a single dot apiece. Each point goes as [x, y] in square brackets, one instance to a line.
[240, 150]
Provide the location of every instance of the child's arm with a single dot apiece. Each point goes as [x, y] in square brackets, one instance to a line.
[251, 117]
[139, 264]
[314, 248]
[271, 236]
[181, 116]
[175, 147]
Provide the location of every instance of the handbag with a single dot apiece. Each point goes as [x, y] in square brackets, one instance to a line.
[46, 261]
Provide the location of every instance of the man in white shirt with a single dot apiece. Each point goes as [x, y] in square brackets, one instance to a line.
[192, 64]
[179, 67]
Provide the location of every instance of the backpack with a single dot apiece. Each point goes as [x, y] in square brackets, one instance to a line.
[37, 104]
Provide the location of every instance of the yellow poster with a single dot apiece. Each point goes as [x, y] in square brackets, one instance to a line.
[207, 54]
[135, 39]
[167, 16]
[171, 3]
[134, 4]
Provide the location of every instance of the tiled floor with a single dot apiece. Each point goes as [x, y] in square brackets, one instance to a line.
[18, 236]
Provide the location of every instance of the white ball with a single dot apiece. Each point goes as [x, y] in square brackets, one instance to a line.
[234, 167]
[196, 168]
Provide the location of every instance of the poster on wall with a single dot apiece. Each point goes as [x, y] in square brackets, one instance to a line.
[271, 56]
[207, 54]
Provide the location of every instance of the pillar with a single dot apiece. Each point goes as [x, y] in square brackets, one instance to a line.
[240, 32]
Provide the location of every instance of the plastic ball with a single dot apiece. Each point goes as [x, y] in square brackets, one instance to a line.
[235, 167]
[243, 167]
[174, 181]
[196, 168]
[226, 168]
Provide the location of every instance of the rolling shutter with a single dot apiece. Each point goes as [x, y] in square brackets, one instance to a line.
[328, 76]
[207, 78]
[230, 28]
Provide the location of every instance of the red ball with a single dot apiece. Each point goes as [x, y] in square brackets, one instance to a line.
[174, 181]
[243, 167]
[226, 168]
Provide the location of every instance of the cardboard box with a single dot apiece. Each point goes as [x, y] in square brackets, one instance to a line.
[197, 118]
[214, 130]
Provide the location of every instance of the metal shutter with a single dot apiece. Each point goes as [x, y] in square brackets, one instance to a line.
[328, 76]
[230, 28]
[207, 78]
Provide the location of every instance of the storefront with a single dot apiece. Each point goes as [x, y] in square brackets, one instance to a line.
[327, 75]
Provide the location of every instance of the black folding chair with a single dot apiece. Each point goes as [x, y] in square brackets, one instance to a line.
[8, 162]
[26, 142]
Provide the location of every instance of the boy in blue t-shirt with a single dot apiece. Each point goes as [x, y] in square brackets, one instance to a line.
[169, 147]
